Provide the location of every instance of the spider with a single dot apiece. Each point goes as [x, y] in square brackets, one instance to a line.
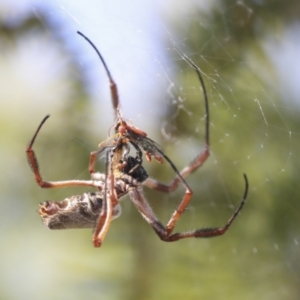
[123, 175]
[82, 211]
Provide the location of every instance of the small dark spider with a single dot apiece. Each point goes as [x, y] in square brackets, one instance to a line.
[124, 175]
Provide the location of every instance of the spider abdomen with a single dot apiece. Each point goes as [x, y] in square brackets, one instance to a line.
[80, 211]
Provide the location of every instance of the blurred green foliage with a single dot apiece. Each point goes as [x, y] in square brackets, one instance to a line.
[253, 130]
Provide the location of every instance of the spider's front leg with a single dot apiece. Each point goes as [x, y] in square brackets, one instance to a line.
[33, 163]
[32, 160]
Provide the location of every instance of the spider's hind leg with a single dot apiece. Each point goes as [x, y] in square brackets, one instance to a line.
[164, 233]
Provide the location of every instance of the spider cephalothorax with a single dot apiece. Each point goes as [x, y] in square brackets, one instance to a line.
[124, 175]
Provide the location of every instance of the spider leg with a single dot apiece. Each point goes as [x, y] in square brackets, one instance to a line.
[105, 217]
[138, 198]
[103, 222]
[93, 157]
[33, 163]
[212, 232]
[144, 208]
[109, 202]
[197, 162]
[184, 202]
[185, 172]
[112, 84]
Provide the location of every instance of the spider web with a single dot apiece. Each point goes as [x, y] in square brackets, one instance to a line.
[247, 52]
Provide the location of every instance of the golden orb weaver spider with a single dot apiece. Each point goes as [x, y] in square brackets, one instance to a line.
[124, 175]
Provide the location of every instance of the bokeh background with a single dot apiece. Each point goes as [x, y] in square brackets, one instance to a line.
[248, 52]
